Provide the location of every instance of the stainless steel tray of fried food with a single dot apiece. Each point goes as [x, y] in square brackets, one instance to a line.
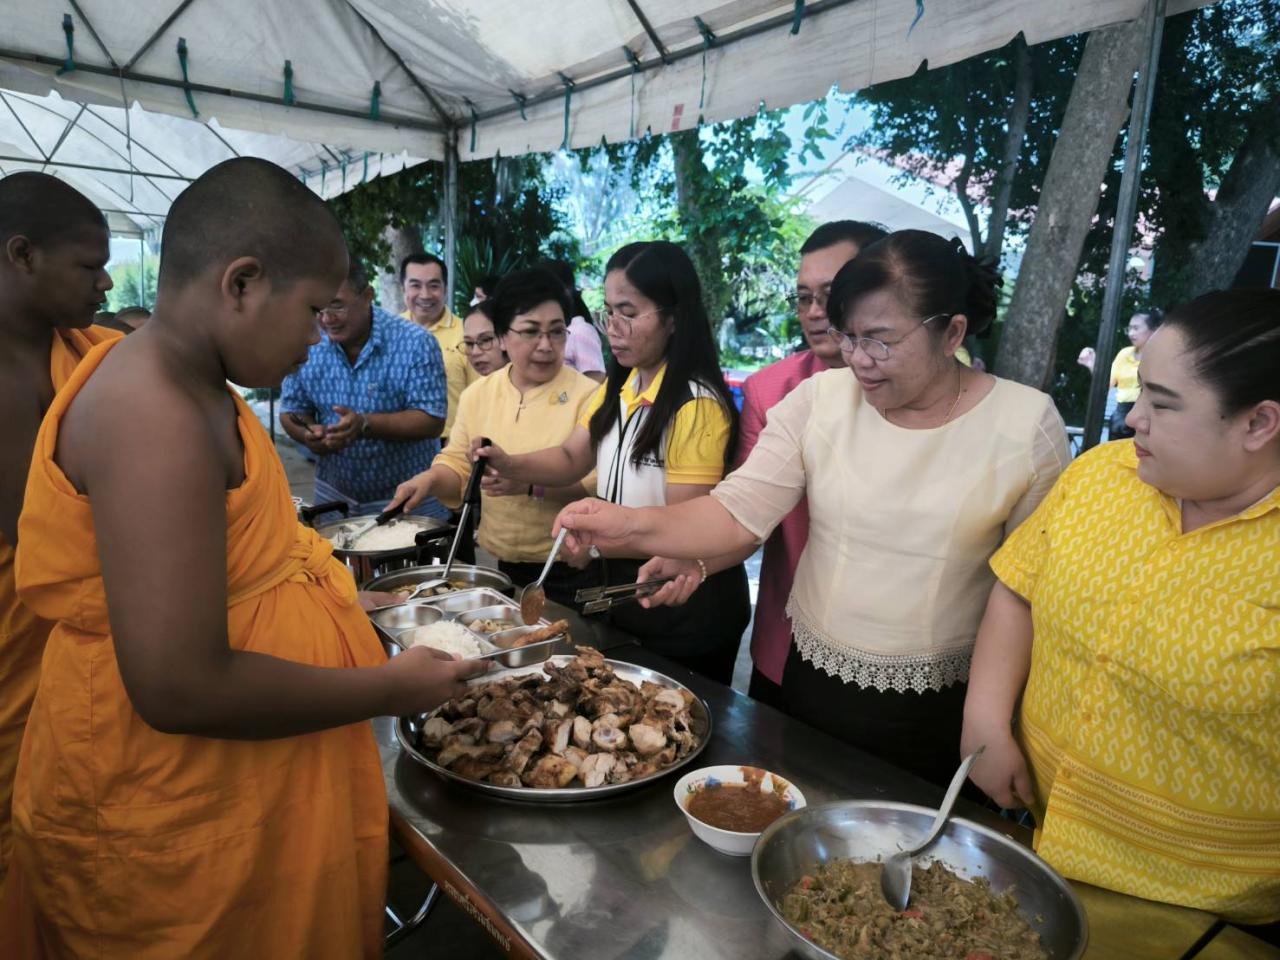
[575, 728]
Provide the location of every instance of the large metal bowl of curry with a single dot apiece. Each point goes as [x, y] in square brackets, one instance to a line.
[795, 844]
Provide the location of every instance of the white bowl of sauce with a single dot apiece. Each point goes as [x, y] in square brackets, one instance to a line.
[729, 806]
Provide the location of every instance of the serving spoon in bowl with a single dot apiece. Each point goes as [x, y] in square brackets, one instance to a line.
[533, 598]
[895, 875]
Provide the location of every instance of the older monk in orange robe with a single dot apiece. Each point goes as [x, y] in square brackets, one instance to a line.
[53, 253]
[196, 779]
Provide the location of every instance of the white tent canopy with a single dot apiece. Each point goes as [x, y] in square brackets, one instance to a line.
[377, 84]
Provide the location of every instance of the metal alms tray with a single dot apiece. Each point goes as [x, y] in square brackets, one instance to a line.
[408, 731]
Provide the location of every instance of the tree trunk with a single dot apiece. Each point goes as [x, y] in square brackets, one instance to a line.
[1241, 203]
[1015, 133]
[703, 242]
[404, 241]
[1068, 200]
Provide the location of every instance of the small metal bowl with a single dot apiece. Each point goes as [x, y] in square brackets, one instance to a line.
[499, 612]
[454, 605]
[406, 616]
[868, 830]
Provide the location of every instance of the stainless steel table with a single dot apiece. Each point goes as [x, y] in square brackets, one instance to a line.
[626, 877]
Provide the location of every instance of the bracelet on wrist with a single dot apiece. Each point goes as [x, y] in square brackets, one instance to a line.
[702, 569]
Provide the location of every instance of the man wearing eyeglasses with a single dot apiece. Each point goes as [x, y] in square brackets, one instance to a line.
[369, 402]
[828, 249]
[424, 280]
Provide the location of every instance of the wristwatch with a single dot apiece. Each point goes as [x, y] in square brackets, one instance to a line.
[364, 425]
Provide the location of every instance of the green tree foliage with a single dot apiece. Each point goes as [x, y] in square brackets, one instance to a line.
[1219, 81]
[507, 216]
[129, 289]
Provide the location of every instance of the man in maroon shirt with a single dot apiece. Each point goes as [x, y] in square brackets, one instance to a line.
[828, 249]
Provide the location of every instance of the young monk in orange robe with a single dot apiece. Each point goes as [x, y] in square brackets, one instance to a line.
[53, 253]
[196, 780]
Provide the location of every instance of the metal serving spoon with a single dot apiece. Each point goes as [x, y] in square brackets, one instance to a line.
[533, 599]
[895, 876]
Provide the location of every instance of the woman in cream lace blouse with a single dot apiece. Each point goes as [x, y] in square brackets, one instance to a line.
[916, 469]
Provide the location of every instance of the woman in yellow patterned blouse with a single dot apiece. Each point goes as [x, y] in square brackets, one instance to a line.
[1147, 742]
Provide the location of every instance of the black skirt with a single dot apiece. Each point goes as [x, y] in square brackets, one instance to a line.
[918, 732]
[703, 635]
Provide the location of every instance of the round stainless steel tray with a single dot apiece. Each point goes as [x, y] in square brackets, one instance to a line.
[699, 714]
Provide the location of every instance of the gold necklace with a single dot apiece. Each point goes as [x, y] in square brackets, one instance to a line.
[954, 403]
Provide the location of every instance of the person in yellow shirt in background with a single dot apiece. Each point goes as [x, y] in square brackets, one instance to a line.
[1136, 620]
[1124, 370]
[533, 402]
[424, 280]
[661, 429]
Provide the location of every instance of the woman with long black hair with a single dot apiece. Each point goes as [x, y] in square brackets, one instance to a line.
[661, 430]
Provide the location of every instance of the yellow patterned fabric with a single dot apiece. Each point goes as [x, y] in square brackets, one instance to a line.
[1151, 717]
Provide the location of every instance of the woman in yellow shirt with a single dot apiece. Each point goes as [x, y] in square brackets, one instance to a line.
[1137, 617]
[660, 430]
[532, 402]
[1124, 369]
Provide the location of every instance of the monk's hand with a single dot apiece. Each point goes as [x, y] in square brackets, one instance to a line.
[494, 485]
[346, 431]
[594, 522]
[1087, 358]
[1001, 772]
[412, 492]
[373, 599]
[685, 575]
[422, 678]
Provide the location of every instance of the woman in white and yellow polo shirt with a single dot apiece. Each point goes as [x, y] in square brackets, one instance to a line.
[659, 430]
[531, 403]
[1137, 621]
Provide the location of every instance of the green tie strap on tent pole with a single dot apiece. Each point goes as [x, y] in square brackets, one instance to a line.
[374, 108]
[365, 175]
[919, 14]
[186, 80]
[324, 173]
[344, 176]
[69, 29]
[568, 96]
[799, 15]
[520, 100]
[708, 41]
[288, 83]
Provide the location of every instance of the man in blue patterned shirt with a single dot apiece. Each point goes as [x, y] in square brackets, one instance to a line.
[369, 402]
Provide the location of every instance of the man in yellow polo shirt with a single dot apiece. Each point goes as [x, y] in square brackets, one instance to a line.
[424, 279]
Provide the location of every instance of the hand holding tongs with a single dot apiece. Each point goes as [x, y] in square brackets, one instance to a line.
[599, 599]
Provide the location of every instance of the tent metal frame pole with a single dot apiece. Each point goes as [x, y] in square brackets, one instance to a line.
[655, 63]
[97, 169]
[384, 119]
[652, 34]
[66, 131]
[34, 142]
[1122, 231]
[450, 214]
[441, 113]
[159, 32]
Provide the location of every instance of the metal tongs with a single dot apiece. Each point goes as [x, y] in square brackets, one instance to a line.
[599, 599]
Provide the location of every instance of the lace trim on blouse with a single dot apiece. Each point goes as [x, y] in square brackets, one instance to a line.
[921, 672]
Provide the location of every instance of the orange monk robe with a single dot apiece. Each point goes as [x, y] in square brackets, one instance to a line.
[137, 844]
[22, 633]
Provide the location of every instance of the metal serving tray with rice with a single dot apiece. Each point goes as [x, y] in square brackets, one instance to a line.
[481, 623]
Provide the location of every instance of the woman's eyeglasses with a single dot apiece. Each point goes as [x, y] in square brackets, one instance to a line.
[876, 349]
[555, 336]
[478, 345]
[607, 321]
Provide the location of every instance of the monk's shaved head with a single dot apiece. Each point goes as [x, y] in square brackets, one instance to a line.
[44, 209]
[247, 207]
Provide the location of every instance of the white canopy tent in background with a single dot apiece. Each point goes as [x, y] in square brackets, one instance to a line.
[130, 99]
[377, 84]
